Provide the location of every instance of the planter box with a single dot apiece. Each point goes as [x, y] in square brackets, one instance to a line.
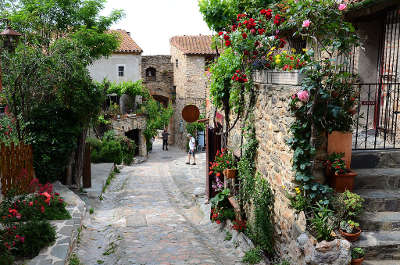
[278, 77]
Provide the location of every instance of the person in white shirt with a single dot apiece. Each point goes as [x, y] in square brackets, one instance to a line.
[192, 149]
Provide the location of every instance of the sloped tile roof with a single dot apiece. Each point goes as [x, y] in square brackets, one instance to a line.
[194, 45]
[128, 45]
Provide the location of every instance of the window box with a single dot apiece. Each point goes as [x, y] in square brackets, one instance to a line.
[278, 77]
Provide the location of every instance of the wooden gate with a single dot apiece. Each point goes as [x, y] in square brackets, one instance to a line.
[16, 168]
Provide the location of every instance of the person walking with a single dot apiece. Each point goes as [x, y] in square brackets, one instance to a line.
[192, 149]
[165, 135]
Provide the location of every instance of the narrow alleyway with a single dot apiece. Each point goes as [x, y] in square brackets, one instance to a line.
[148, 217]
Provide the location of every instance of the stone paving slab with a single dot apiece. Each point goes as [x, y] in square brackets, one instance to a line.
[100, 173]
[67, 230]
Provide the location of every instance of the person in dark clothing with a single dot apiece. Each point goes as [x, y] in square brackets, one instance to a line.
[165, 139]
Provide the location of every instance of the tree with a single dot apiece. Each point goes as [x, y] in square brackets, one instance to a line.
[47, 76]
[220, 14]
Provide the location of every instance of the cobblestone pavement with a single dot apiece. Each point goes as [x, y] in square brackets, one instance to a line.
[148, 216]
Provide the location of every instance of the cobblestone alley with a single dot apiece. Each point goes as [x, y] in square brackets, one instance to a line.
[149, 216]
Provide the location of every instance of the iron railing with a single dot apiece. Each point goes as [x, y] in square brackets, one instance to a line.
[377, 122]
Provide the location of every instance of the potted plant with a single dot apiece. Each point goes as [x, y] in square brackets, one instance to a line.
[341, 109]
[357, 256]
[221, 209]
[341, 178]
[224, 164]
[350, 230]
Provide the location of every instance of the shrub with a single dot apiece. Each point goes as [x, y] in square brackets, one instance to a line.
[42, 205]
[253, 256]
[37, 235]
[112, 149]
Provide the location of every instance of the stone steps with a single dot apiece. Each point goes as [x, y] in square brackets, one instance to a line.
[380, 200]
[375, 159]
[378, 178]
[381, 262]
[380, 221]
[382, 245]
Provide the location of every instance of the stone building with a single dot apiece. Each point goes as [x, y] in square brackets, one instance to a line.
[190, 56]
[123, 65]
[158, 77]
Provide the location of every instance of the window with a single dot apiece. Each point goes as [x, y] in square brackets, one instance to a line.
[151, 74]
[176, 63]
[121, 70]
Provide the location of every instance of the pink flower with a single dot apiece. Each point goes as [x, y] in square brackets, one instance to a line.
[306, 23]
[303, 95]
[342, 7]
[30, 203]
[22, 239]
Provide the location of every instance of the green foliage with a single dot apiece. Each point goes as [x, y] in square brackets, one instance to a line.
[46, 81]
[322, 223]
[353, 203]
[222, 89]
[252, 256]
[220, 14]
[194, 127]
[349, 226]
[221, 199]
[357, 253]
[108, 182]
[246, 165]
[112, 149]
[228, 236]
[262, 228]
[37, 234]
[53, 133]
[74, 260]
[8, 133]
[5, 257]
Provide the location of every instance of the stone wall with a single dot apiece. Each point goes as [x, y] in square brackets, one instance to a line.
[132, 122]
[191, 89]
[160, 85]
[274, 161]
[163, 81]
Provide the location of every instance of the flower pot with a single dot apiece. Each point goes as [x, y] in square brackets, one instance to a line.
[342, 182]
[357, 261]
[351, 237]
[341, 142]
[278, 77]
[230, 173]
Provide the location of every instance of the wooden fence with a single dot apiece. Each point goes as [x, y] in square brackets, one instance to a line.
[16, 168]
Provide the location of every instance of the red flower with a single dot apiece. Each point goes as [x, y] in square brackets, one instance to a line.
[244, 35]
[42, 209]
[220, 33]
[282, 43]
[261, 31]
[253, 31]
[218, 174]
[226, 37]
[278, 19]
[228, 43]
[210, 173]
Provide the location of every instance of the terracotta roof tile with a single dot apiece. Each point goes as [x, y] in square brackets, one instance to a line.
[193, 45]
[128, 45]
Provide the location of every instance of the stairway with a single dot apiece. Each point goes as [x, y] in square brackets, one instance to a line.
[378, 182]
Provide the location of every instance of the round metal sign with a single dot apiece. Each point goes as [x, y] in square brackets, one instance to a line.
[190, 113]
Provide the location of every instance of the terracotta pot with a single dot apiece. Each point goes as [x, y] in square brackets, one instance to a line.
[341, 142]
[357, 261]
[341, 182]
[230, 173]
[351, 237]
